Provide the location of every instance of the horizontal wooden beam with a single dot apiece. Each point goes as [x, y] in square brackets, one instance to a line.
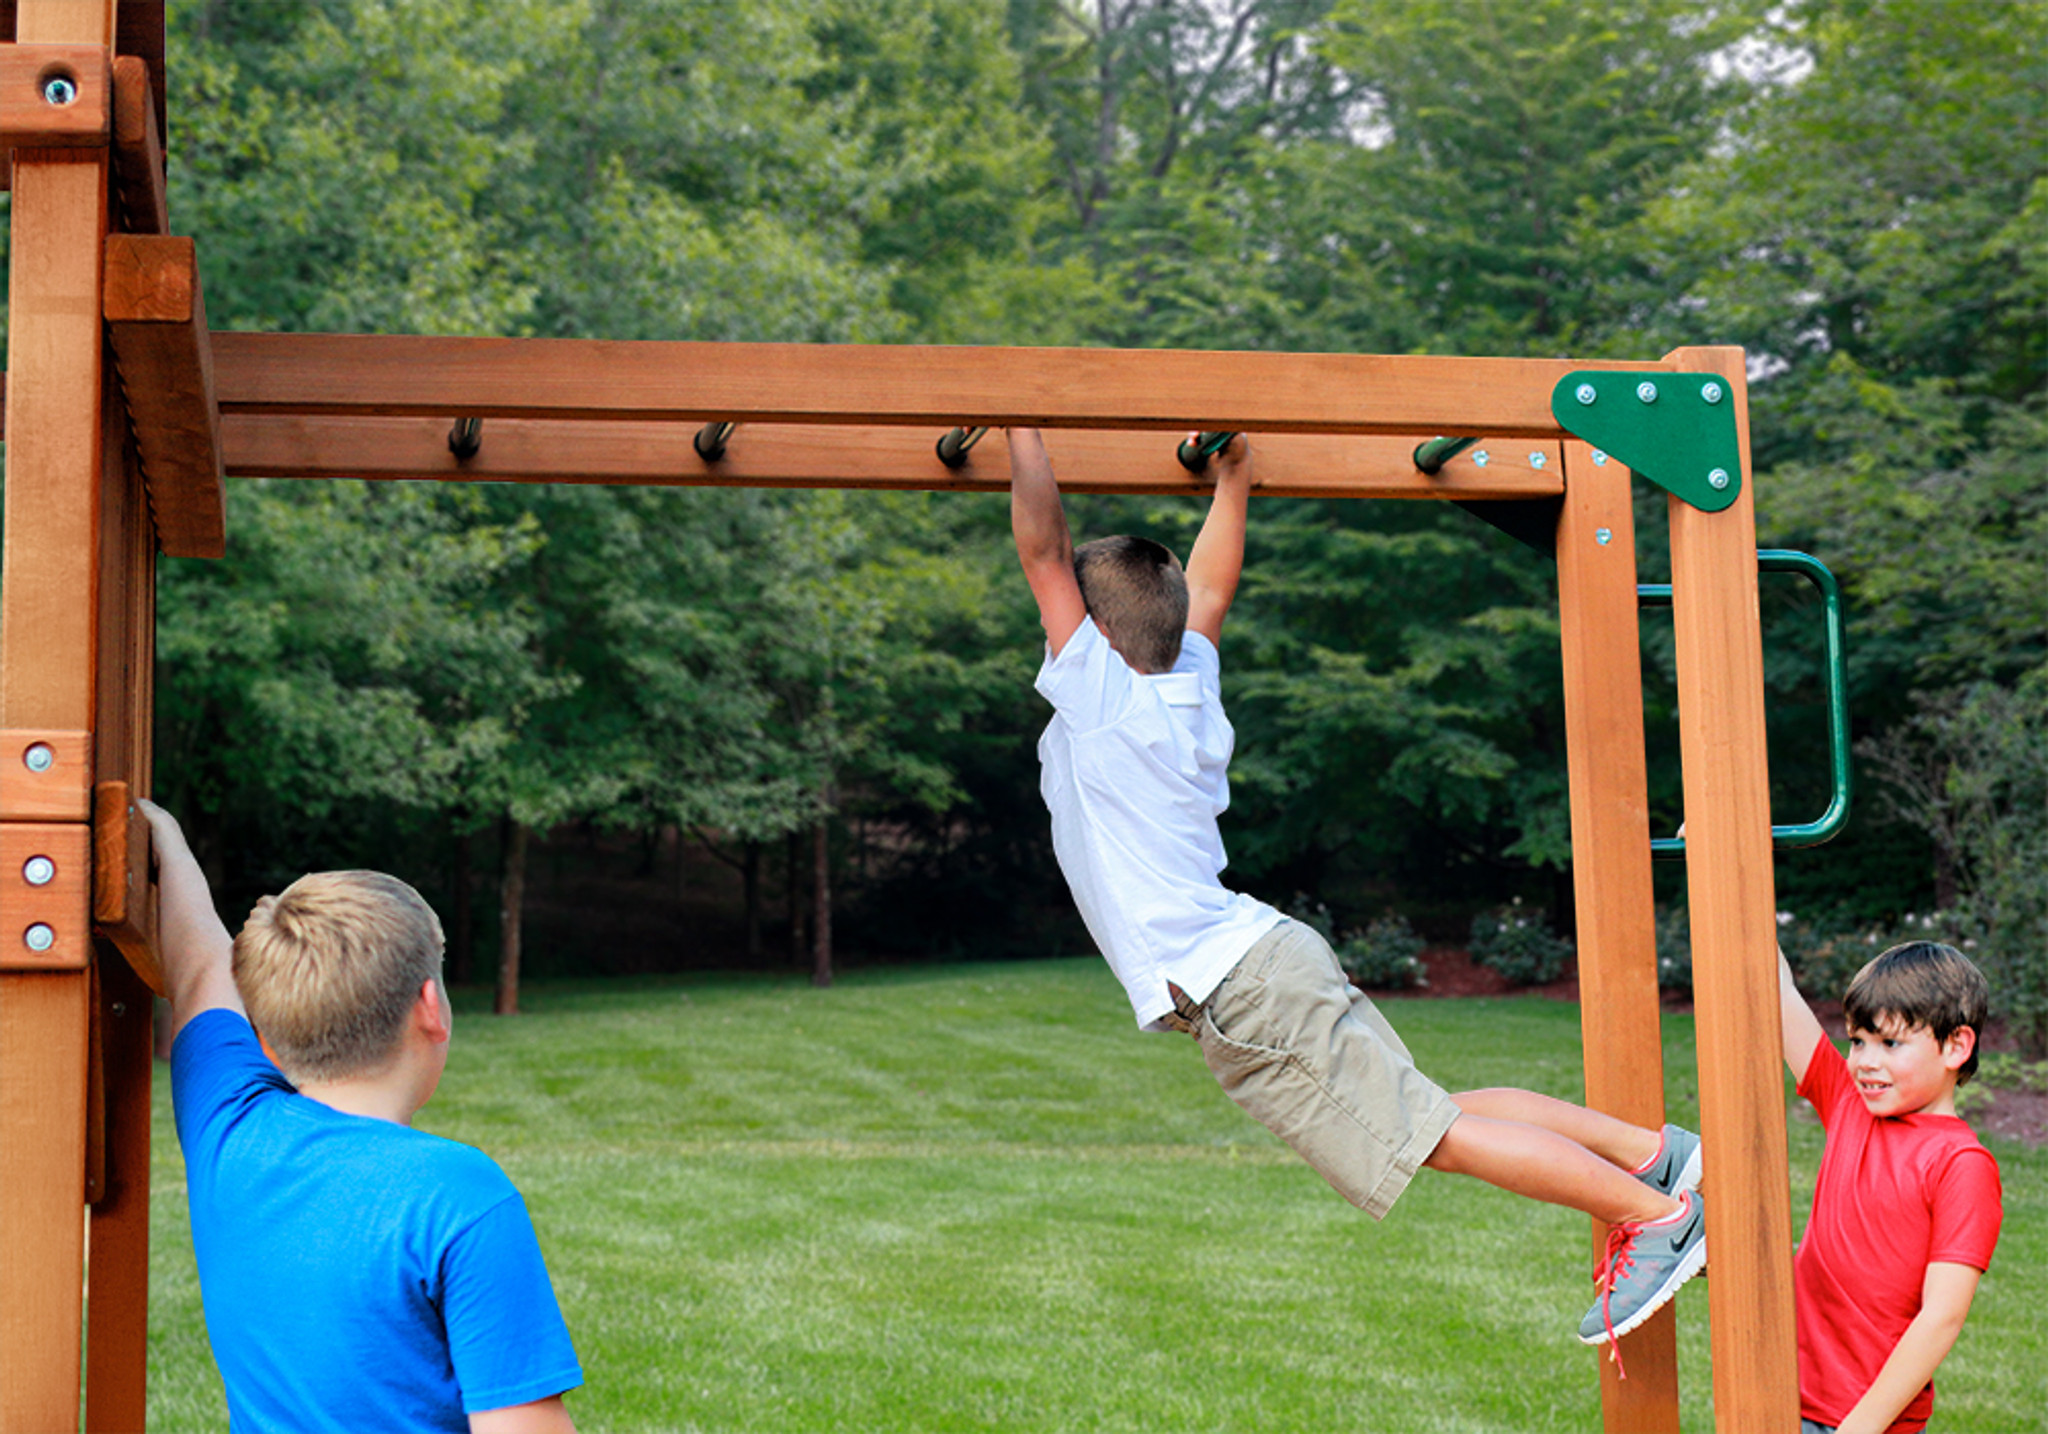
[138, 150]
[916, 386]
[835, 456]
[156, 320]
[54, 96]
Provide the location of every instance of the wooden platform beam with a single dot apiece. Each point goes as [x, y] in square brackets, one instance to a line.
[885, 385]
[782, 455]
[156, 321]
[139, 175]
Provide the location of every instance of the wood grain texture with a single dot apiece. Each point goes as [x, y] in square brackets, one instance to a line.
[156, 322]
[1619, 1012]
[919, 386]
[139, 175]
[811, 455]
[1731, 897]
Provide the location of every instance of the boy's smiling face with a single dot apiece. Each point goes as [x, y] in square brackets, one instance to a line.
[1903, 1070]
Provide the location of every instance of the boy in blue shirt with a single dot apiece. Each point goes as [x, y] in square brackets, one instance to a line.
[1135, 774]
[357, 1274]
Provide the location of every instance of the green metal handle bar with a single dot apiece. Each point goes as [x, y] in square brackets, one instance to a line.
[1831, 821]
[1194, 453]
[956, 443]
[1431, 457]
[710, 440]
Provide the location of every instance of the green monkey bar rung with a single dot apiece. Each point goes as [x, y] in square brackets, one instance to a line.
[1431, 457]
[1194, 453]
[1830, 822]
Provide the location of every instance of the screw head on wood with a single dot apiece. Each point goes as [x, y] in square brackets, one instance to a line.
[39, 758]
[39, 937]
[1603, 536]
[59, 89]
[1479, 457]
[1537, 458]
[39, 871]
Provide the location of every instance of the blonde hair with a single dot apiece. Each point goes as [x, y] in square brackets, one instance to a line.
[329, 970]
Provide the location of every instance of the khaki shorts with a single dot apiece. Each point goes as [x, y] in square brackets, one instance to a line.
[1310, 1057]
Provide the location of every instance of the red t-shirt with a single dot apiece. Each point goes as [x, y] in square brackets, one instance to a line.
[1894, 1196]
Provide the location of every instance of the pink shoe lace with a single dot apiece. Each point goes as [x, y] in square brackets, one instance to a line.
[1616, 1261]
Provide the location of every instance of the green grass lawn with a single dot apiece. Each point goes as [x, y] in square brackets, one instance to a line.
[976, 1198]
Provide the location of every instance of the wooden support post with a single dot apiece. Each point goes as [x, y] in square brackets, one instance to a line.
[1618, 1007]
[49, 584]
[1734, 942]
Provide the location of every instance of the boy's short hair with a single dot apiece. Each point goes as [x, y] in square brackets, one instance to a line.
[1138, 595]
[329, 969]
[1923, 984]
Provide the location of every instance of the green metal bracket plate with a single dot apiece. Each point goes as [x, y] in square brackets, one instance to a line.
[1676, 429]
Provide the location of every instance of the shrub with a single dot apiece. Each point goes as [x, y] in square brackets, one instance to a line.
[1386, 955]
[1517, 941]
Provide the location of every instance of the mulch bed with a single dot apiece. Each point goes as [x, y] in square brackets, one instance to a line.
[2019, 1115]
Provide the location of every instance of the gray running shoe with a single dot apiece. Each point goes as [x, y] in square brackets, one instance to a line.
[1644, 1266]
[1677, 1166]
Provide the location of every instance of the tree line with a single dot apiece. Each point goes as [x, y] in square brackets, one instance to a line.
[831, 691]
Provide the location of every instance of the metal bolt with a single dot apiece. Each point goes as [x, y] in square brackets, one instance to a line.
[1603, 536]
[1646, 391]
[1718, 479]
[1586, 393]
[119, 1008]
[1479, 458]
[1537, 458]
[39, 937]
[39, 758]
[39, 871]
[1599, 458]
[60, 89]
[1710, 391]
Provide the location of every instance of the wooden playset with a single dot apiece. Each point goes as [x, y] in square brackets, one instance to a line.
[124, 414]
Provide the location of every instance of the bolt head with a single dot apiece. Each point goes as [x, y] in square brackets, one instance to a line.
[39, 871]
[1710, 391]
[39, 937]
[1603, 536]
[39, 758]
[1718, 479]
[1599, 458]
[119, 1008]
[1537, 458]
[1479, 458]
[1587, 394]
[60, 90]
[1646, 391]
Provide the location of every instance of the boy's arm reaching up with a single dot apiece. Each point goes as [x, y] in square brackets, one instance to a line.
[1043, 544]
[1802, 1030]
[195, 948]
[1218, 555]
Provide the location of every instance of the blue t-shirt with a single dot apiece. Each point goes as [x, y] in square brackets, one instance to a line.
[357, 1275]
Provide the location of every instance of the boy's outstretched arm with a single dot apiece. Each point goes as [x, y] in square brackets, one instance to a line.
[1801, 1028]
[195, 948]
[1945, 1295]
[1043, 544]
[1218, 555]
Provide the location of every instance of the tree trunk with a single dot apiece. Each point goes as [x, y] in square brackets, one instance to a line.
[462, 929]
[821, 905]
[511, 897]
[750, 873]
[790, 888]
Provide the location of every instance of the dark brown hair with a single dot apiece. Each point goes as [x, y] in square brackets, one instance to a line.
[1923, 984]
[1138, 595]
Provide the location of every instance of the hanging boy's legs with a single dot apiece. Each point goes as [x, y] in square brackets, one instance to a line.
[1666, 1160]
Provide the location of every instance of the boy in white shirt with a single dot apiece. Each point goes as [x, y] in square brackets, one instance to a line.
[1135, 773]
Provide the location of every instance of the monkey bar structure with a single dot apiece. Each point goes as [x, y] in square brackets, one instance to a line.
[124, 413]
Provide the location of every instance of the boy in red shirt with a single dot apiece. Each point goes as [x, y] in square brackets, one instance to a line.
[1907, 1206]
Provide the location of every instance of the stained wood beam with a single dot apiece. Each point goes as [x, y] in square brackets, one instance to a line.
[915, 386]
[835, 456]
[156, 320]
[31, 119]
[139, 176]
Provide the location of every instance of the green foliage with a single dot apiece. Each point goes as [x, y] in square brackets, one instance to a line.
[1385, 955]
[1517, 941]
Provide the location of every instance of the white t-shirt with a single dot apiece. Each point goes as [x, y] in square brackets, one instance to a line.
[1135, 771]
